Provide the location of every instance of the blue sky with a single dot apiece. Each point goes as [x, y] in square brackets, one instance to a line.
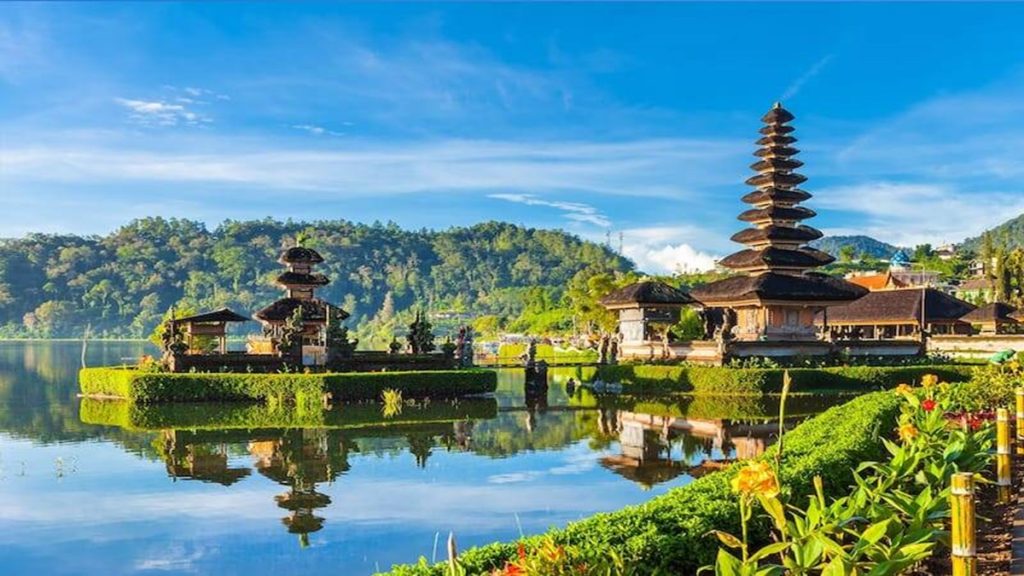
[596, 118]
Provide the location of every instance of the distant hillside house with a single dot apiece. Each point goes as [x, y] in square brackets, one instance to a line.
[899, 261]
[898, 314]
[978, 290]
[994, 318]
[946, 251]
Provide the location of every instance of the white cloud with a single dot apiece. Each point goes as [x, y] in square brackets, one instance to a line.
[669, 249]
[793, 89]
[161, 113]
[907, 214]
[316, 130]
[575, 211]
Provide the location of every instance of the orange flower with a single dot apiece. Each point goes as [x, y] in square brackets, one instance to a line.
[929, 380]
[907, 432]
[756, 478]
[904, 389]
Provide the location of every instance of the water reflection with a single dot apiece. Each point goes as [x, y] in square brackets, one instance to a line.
[338, 491]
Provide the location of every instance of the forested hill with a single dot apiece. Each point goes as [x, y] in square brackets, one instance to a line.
[859, 246]
[121, 284]
[1009, 234]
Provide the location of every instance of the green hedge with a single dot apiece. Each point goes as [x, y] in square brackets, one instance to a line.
[154, 387]
[510, 354]
[248, 416]
[725, 380]
[670, 534]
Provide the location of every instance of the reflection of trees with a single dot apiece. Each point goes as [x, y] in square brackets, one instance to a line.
[508, 434]
[39, 388]
[187, 457]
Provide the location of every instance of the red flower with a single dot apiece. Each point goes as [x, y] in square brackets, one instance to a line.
[928, 405]
[522, 551]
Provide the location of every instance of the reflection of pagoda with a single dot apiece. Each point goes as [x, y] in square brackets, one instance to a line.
[300, 459]
[300, 282]
[776, 295]
[187, 457]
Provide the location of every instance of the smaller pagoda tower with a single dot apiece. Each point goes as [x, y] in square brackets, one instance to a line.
[775, 294]
[300, 282]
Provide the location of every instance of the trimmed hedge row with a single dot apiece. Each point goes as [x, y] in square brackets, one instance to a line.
[670, 533]
[725, 380]
[156, 387]
[510, 354]
[215, 416]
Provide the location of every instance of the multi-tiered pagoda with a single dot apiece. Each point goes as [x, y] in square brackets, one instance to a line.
[300, 282]
[776, 296]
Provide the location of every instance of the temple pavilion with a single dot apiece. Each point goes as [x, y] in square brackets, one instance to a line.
[300, 283]
[646, 309]
[776, 295]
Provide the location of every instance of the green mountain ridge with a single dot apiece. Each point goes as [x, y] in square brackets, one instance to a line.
[862, 245]
[120, 284]
[1010, 233]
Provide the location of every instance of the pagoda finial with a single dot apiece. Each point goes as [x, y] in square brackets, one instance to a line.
[777, 105]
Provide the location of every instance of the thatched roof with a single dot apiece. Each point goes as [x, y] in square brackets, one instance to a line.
[807, 287]
[649, 292]
[297, 279]
[222, 315]
[772, 232]
[778, 179]
[994, 313]
[314, 310]
[776, 163]
[300, 255]
[771, 194]
[774, 257]
[977, 284]
[771, 150]
[777, 115]
[777, 213]
[901, 305]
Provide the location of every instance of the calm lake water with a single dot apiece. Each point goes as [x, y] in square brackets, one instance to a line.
[92, 487]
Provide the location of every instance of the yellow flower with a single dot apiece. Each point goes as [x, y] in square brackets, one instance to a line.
[907, 432]
[756, 478]
[904, 389]
[929, 380]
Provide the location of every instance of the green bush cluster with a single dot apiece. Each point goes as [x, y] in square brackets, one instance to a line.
[148, 387]
[724, 380]
[509, 354]
[670, 533]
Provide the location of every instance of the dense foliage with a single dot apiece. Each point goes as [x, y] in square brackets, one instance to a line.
[638, 378]
[121, 284]
[156, 387]
[848, 247]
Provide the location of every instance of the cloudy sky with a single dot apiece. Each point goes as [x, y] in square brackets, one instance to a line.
[598, 119]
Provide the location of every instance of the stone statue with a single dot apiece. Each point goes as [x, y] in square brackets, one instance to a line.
[613, 349]
[464, 347]
[602, 349]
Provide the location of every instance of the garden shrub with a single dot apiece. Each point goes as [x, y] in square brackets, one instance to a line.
[670, 533]
[155, 387]
[727, 380]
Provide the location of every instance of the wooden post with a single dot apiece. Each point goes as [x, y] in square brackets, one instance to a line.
[1004, 463]
[962, 531]
[1020, 421]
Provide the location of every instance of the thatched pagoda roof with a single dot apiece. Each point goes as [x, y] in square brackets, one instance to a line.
[314, 310]
[779, 233]
[222, 315]
[777, 115]
[300, 255]
[777, 213]
[778, 286]
[649, 292]
[902, 305]
[773, 257]
[993, 313]
[780, 179]
[299, 279]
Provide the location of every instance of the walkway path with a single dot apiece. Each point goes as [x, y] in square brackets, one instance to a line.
[1017, 563]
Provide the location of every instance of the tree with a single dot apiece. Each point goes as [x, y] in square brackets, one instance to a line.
[421, 336]
[847, 253]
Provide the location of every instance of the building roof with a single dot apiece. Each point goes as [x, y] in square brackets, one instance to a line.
[773, 257]
[777, 213]
[300, 255]
[877, 281]
[772, 194]
[976, 284]
[781, 233]
[314, 310]
[222, 315]
[647, 292]
[297, 279]
[807, 287]
[901, 305]
[996, 312]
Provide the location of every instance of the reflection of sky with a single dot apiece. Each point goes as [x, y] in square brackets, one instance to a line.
[114, 513]
[78, 499]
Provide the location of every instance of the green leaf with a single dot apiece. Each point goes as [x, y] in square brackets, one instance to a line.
[727, 539]
[768, 551]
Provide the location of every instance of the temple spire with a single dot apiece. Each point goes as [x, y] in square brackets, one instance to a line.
[776, 242]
